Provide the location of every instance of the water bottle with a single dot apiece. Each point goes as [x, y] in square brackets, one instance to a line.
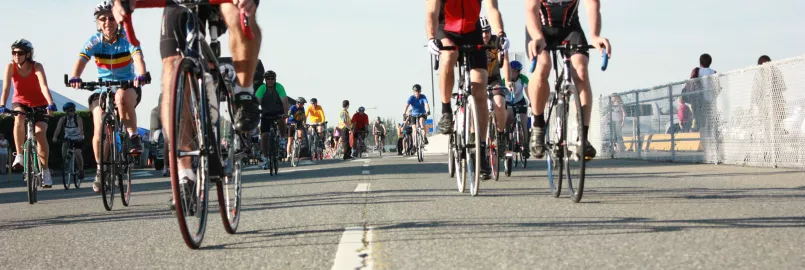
[118, 143]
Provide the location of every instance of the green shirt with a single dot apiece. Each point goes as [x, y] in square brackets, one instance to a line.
[262, 90]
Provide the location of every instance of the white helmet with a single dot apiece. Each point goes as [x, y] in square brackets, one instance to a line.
[101, 8]
[485, 25]
[23, 44]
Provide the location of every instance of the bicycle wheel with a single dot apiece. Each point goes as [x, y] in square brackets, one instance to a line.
[124, 175]
[419, 148]
[460, 157]
[295, 153]
[555, 151]
[29, 172]
[65, 172]
[473, 139]
[74, 177]
[229, 189]
[492, 146]
[186, 138]
[574, 160]
[451, 156]
[522, 143]
[107, 163]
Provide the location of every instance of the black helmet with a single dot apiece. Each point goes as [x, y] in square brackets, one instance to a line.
[67, 106]
[314, 100]
[301, 100]
[270, 74]
[417, 87]
[361, 109]
[23, 44]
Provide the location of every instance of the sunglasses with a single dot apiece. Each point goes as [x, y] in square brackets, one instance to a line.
[17, 52]
[104, 19]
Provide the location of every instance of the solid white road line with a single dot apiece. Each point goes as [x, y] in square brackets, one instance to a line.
[362, 187]
[352, 253]
[365, 172]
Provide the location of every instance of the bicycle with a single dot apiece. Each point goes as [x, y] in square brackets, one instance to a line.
[492, 134]
[114, 141]
[516, 142]
[32, 168]
[272, 161]
[316, 146]
[69, 172]
[566, 147]
[296, 148]
[464, 142]
[190, 103]
[417, 140]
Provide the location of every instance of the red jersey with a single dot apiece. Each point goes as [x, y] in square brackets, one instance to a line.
[360, 121]
[26, 89]
[460, 16]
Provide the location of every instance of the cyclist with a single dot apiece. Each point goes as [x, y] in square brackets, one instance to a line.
[344, 125]
[420, 110]
[379, 130]
[552, 23]
[244, 56]
[273, 104]
[360, 124]
[117, 60]
[456, 22]
[517, 88]
[296, 123]
[495, 82]
[315, 116]
[73, 131]
[31, 91]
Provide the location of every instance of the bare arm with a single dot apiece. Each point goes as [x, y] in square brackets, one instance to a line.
[406, 108]
[495, 19]
[80, 125]
[58, 128]
[78, 68]
[6, 83]
[43, 83]
[432, 21]
[505, 70]
[533, 23]
[139, 63]
[594, 16]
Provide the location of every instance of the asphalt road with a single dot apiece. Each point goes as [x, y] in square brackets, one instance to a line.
[395, 213]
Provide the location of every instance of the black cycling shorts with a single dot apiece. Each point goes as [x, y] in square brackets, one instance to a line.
[138, 90]
[172, 33]
[522, 109]
[572, 34]
[477, 58]
[26, 108]
[265, 123]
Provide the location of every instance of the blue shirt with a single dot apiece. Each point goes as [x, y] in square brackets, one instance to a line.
[296, 114]
[114, 60]
[418, 104]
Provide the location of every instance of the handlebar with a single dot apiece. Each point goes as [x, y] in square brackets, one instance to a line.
[91, 86]
[129, 27]
[466, 48]
[33, 112]
[570, 47]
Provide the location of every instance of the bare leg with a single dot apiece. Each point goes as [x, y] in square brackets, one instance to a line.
[582, 79]
[478, 77]
[97, 115]
[244, 51]
[40, 134]
[538, 87]
[19, 130]
[126, 102]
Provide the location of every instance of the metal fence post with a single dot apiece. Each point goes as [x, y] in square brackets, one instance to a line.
[671, 117]
[639, 112]
[612, 127]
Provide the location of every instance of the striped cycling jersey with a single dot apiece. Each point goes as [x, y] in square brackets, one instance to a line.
[114, 60]
[559, 13]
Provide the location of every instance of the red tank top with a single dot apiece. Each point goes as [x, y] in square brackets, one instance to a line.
[26, 89]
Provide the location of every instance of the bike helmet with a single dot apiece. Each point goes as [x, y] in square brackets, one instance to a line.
[301, 100]
[485, 24]
[361, 109]
[417, 88]
[23, 44]
[314, 100]
[516, 65]
[270, 75]
[67, 106]
[102, 8]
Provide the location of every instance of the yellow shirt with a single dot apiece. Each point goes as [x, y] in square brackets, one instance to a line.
[314, 114]
[345, 120]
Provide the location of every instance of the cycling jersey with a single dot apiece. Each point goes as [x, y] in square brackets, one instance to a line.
[460, 16]
[296, 114]
[27, 90]
[417, 104]
[271, 103]
[315, 114]
[360, 121]
[114, 60]
[71, 128]
[519, 86]
[492, 67]
[559, 13]
[277, 86]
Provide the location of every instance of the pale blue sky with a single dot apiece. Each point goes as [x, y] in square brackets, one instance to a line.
[370, 52]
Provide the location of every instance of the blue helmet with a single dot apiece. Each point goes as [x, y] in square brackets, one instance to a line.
[67, 106]
[516, 65]
[361, 109]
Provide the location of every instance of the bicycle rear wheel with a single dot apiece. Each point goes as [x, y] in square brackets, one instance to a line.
[124, 176]
[555, 149]
[574, 160]
[229, 188]
[492, 147]
[107, 163]
[185, 145]
[473, 139]
[29, 172]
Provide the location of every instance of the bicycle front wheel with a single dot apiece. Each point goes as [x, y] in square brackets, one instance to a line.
[124, 175]
[473, 153]
[107, 163]
[419, 148]
[492, 146]
[30, 175]
[229, 188]
[574, 161]
[66, 172]
[554, 142]
[295, 153]
[185, 137]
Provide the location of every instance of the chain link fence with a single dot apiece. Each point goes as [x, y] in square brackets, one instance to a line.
[753, 116]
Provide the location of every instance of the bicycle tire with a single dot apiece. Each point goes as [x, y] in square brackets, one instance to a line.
[295, 153]
[193, 207]
[474, 152]
[507, 164]
[230, 191]
[451, 166]
[555, 151]
[419, 148]
[124, 176]
[574, 151]
[29, 172]
[492, 146]
[65, 173]
[523, 145]
[460, 158]
[107, 163]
